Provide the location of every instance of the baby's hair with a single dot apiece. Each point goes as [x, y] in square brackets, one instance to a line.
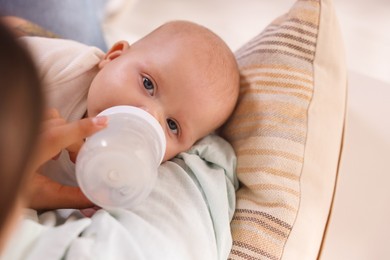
[222, 69]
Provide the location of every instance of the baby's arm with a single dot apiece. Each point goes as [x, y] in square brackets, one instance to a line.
[57, 134]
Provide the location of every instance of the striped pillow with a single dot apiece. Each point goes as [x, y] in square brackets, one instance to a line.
[287, 133]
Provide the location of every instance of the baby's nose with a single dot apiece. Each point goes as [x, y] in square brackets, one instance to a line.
[154, 112]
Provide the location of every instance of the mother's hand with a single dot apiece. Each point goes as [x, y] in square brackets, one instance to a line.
[57, 135]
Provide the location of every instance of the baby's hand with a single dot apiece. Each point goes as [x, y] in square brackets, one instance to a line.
[56, 135]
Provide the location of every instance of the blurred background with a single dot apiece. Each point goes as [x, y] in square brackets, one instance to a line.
[365, 24]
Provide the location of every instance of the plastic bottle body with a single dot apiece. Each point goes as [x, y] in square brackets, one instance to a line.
[117, 167]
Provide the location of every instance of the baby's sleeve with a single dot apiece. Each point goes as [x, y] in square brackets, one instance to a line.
[57, 60]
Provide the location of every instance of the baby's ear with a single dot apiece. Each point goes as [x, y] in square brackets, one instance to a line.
[117, 50]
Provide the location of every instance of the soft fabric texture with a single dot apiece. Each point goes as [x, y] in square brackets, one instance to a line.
[67, 68]
[287, 133]
[187, 216]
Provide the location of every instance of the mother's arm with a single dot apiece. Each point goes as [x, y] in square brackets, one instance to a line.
[22, 27]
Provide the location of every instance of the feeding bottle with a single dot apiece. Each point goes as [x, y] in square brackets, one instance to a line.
[117, 166]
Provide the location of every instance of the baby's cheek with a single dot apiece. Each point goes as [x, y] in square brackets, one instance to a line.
[174, 148]
[170, 151]
[166, 156]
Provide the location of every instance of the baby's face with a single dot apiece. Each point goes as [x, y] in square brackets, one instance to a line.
[165, 81]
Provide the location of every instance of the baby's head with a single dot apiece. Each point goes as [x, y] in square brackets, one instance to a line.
[181, 73]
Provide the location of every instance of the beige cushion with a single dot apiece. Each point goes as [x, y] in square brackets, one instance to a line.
[287, 133]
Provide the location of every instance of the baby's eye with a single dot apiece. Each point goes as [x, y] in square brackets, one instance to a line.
[172, 125]
[148, 85]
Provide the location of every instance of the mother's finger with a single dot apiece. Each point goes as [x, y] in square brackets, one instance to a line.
[51, 113]
[57, 138]
[50, 123]
[46, 194]
[74, 149]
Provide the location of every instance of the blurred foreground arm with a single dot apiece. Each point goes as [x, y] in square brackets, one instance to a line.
[21, 27]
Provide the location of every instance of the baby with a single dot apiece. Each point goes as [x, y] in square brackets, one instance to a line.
[181, 73]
